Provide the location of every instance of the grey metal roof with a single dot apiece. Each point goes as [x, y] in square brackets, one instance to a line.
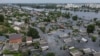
[15, 36]
[2, 38]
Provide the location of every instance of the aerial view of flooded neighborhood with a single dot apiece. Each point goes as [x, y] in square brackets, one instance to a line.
[50, 29]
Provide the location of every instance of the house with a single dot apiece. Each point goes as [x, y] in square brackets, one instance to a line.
[87, 50]
[16, 28]
[75, 52]
[67, 40]
[84, 40]
[75, 27]
[18, 23]
[2, 39]
[2, 42]
[63, 35]
[44, 44]
[15, 38]
[11, 47]
[83, 30]
[36, 40]
[42, 24]
[7, 55]
[96, 54]
[29, 40]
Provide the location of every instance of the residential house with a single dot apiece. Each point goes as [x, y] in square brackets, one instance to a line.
[16, 23]
[84, 39]
[67, 40]
[29, 40]
[16, 28]
[36, 40]
[15, 38]
[2, 39]
[44, 44]
[75, 52]
[87, 50]
[8, 55]
[11, 47]
[2, 42]
[96, 54]
[63, 35]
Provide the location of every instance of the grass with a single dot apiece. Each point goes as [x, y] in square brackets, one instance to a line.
[15, 53]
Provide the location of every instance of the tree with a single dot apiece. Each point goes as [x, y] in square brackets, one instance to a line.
[33, 33]
[75, 18]
[50, 54]
[98, 23]
[90, 28]
[66, 15]
[36, 45]
[95, 19]
[94, 38]
[1, 18]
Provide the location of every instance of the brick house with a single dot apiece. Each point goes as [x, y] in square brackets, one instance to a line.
[15, 38]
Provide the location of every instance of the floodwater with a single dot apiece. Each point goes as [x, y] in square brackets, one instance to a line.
[81, 14]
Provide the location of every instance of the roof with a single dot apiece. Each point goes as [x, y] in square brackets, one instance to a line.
[75, 52]
[87, 50]
[2, 38]
[29, 39]
[15, 36]
[83, 39]
[97, 54]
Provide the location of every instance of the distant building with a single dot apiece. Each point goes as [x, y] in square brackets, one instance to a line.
[15, 38]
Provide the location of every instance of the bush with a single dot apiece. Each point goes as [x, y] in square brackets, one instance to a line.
[14, 53]
[36, 45]
[94, 38]
[50, 54]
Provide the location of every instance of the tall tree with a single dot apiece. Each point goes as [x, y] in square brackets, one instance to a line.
[33, 33]
[1, 18]
[90, 28]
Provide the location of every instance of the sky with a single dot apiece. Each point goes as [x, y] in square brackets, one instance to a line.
[49, 1]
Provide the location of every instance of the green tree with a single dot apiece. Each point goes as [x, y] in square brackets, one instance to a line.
[95, 19]
[90, 28]
[75, 18]
[1, 18]
[36, 45]
[33, 33]
[93, 38]
[98, 23]
[66, 15]
[50, 54]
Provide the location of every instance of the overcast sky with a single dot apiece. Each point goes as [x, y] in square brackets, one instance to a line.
[49, 1]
